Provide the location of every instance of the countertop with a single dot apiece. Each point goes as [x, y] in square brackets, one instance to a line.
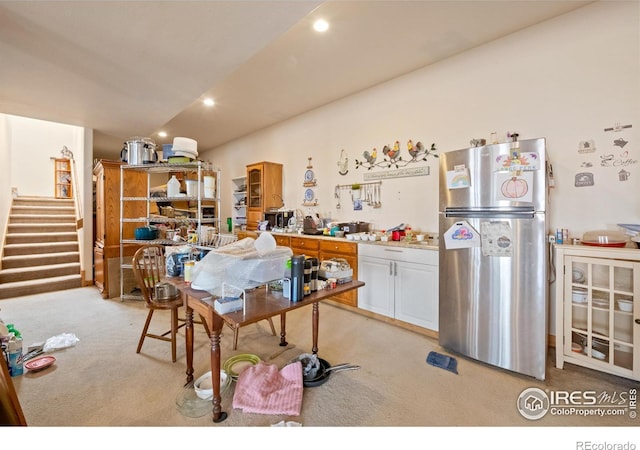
[427, 244]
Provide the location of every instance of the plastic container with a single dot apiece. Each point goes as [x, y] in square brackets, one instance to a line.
[173, 187]
[604, 238]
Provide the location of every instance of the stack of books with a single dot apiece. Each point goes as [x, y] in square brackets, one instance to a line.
[226, 305]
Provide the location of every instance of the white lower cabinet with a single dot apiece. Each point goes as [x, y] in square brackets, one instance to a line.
[598, 309]
[400, 282]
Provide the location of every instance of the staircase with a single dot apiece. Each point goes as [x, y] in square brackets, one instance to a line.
[41, 251]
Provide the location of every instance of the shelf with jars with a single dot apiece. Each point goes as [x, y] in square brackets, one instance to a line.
[169, 214]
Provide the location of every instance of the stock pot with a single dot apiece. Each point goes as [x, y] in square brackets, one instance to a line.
[139, 150]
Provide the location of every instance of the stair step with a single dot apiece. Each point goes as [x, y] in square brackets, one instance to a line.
[42, 201]
[21, 288]
[42, 218]
[13, 262]
[26, 238]
[41, 209]
[39, 248]
[14, 228]
[38, 272]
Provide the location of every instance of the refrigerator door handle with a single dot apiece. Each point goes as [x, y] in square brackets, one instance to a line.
[490, 214]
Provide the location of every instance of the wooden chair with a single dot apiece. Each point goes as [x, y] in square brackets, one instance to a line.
[149, 268]
[10, 409]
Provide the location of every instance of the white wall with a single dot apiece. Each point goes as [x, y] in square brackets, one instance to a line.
[28, 146]
[566, 79]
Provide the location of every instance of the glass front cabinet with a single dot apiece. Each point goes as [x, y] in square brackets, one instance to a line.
[597, 312]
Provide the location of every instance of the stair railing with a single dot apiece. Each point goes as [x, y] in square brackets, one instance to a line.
[66, 153]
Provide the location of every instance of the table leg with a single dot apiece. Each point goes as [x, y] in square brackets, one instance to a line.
[283, 330]
[315, 320]
[189, 337]
[218, 414]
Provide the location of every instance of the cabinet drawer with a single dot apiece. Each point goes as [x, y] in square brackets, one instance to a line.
[416, 255]
[282, 241]
[339, 247]
[305, 244]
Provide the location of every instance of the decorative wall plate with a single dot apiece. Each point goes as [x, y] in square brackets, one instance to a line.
[308, 175]
[309, 195]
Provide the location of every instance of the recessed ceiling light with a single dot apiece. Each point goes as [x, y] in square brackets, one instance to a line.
[162, 134]
[208, 102]
[321, 25]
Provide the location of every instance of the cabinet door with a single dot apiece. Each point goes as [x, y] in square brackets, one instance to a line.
[254, 187]
[600, 310]
[99, 274]
[349, 298]
[416, 288]
[377, 295]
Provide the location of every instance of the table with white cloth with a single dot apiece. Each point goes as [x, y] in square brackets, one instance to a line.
[260, 304]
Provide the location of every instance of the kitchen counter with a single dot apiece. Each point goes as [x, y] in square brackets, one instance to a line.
[430, 244]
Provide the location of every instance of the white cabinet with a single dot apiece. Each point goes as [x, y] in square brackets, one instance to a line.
[400, 282]
[239, 203]
[598, 309]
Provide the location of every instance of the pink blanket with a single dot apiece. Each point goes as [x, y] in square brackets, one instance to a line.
[264, 389]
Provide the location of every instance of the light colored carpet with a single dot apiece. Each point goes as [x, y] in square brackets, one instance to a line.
[102, 382]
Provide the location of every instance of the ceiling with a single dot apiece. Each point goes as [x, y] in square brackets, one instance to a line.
[134, 68]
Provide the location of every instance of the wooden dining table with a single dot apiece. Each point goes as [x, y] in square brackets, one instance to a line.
[260, 303]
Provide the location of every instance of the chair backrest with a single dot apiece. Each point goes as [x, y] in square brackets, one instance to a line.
[149, 269]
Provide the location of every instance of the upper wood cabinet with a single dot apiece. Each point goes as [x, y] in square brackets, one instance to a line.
[264, 191]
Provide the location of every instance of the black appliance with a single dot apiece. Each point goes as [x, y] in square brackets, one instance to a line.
[278, 219]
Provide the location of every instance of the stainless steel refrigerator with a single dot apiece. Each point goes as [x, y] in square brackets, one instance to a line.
[494, 255]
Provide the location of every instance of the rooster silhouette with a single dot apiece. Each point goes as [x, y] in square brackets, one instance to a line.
[392, 153]
[414, 151]
[371, 157]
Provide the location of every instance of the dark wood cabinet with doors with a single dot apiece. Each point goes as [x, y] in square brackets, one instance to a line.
[106, 249]
[264, 191]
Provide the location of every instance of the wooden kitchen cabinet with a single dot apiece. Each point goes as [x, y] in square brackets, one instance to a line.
[264, 191]
[348, 251]
[282, 241]
[106, 252]
[324, 249]
[305, 246]
[400, 283]
[598, 308]
[245, 234]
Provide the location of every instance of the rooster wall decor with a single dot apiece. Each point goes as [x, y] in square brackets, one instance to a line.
[392, 156]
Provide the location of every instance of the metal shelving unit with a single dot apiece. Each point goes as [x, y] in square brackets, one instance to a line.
[195, 216]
